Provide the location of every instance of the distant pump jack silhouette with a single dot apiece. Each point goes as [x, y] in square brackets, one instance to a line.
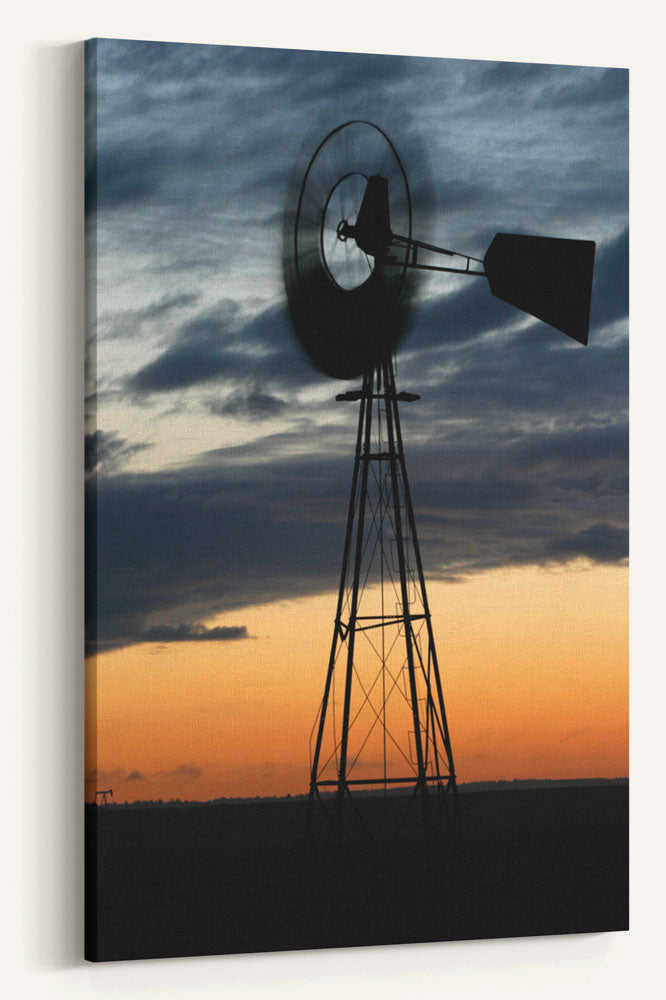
[102, 795]
[349, 264]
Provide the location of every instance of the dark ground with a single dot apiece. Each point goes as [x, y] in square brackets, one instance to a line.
[235, 877]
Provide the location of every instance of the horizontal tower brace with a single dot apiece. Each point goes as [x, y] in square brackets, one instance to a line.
[382, 781]
[386, 620]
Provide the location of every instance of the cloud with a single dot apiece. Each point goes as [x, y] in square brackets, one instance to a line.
[517, 451]
[122, 176]
[221, 535]
[197, 355]
[599, 542]
[605, 90]
[104, 777]
[108, 449]
[121, 775]
[193, 633]
[255, 405]
[182, 771]
[610, 291]
[201, 142]
[548, 88]
[220, 347]
[129, 322]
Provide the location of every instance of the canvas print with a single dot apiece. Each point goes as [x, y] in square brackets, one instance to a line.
[356, 499]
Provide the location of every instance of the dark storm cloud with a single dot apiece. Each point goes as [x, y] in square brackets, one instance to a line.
[217, 347]
[135, 776]
[189, 543]
[525, 461]
[191, 129]
[533, 378]
[223, 91]
[518, 448]
[207, 139]
[549, 87]
[605, 90]
[176, 548]
[196, 355]
[183, 365]
[600, 542]
[460, 316]
[539, 477]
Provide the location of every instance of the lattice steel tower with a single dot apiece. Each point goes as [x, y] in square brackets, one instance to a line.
[382, 720]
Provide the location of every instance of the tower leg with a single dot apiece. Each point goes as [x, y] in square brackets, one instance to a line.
[395, 456]
[340, 631]
[442, 720]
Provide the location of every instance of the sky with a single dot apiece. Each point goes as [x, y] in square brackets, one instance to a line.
[219, 462]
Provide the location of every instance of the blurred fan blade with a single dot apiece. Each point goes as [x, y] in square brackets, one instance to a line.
[548, 278]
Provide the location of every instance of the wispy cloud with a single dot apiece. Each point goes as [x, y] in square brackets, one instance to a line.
[107, 449]
[193, 633]
[181, 771]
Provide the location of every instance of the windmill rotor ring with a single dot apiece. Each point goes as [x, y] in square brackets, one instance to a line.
[348, 310]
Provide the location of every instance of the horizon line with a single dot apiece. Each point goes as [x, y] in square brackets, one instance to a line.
[296, 796]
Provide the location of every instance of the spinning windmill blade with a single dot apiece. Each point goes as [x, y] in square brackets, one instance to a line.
[348, 310]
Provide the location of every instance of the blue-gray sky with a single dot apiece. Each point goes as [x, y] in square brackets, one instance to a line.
[222, 460]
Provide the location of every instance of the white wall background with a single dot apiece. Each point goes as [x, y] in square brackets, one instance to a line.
[41, 543]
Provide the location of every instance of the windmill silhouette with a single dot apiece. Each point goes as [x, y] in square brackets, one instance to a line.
[350, 261]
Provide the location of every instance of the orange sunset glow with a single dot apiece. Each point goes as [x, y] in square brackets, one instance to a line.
[533, 663]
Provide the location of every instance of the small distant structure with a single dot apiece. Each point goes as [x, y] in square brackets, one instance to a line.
[102, 795]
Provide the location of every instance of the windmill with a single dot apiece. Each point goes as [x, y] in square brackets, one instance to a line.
[350, 263]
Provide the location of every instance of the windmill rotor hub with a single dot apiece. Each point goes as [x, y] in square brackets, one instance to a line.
[344, 230]
[348, 268]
